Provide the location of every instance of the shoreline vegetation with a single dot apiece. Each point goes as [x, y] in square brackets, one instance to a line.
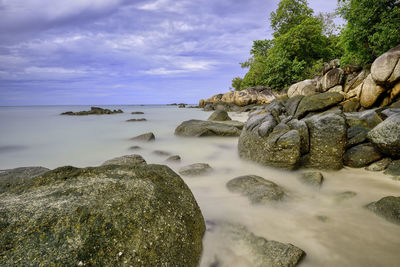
[302, 114]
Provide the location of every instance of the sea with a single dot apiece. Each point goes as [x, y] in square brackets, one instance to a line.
[332, 230]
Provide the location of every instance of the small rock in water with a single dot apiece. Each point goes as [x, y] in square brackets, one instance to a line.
[132, 120]
[174, 158]
[219, 115]
[312, 178]
[147, 137]
[379, 165]
[345, 195]
[126, 160]
[322, 218]
[137, 112]
[393, 169]
[195, 169]
[135, 147]
[161, 153]
[256, 188]
[387, 207]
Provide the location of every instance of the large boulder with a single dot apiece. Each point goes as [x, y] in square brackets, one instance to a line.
[386, 136]
[387, 207]
[126, 160]
[332, 78]
[263, 141]
[370, 92]
[12, 177]
[256, 188]
[327, 141]
[317, 102]
[143, 215]
[306, 87]
[361, 155]
[198, 128]
[219, 115]
[385, 69]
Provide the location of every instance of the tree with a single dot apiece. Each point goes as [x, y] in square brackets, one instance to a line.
[299, 43]
[372, 28]
[237, 84]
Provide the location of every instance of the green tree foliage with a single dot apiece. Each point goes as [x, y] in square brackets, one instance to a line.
[300, 42]
[237, 84]
[372, 28]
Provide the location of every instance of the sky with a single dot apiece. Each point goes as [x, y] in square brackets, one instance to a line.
[82, 52]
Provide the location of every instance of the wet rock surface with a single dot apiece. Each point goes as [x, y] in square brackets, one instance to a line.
[130, 160]
[147, 137]
[195, 169]
[312, 178]
[142, 215]
[13, 177]
[256, 188]
[387, 207]
[198, 128]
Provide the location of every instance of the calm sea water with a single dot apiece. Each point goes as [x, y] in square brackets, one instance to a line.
[349, 235]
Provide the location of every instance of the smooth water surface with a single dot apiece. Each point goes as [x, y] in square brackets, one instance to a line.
[332, 231]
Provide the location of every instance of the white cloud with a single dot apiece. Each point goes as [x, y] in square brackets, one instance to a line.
[164, 5]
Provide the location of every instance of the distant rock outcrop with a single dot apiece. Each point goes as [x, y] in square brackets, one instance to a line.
[93, 111]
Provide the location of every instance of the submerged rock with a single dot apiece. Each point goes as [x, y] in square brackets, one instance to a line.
[161, 153]
[312, 178]
[198, 128]
[147, 137]
[93, 111]
[261, 252]
[219, 115]
[111, 215]
[12, 177]
[393, 168]
[256, 188]
[132, 120]
[174, 158]
[387, 207]
[130, 160]
[195, 169]
[137, 113]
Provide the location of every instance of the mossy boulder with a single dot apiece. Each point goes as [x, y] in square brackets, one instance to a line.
[361, 155]
[219, 115]
[199, 128]
[387, 207]
[142, 215]
[318, 102]
[386, 136]
[131, 160]
[13, 177]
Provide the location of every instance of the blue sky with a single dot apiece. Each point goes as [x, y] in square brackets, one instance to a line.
[125, 51]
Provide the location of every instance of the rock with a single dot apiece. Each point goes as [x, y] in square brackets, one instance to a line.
[13, 177]
[195, 169]
[367, 118]
[93, 111]
[336, 89]
[327, 141]
[198, 128]
[174, 158]
[147, 137]
[137, 112]
[292, 104]
[387, 207]
[130, 160]
[104, 216]
[208, 107]
[356, 134]
[280, 148]
[219, 115]
[389, 112]
[256, 188]
[353, 82]
[332, 78]
[351, 105]
[305, 88]
[182, 105]
[302, 128]
[161, 153]
[339, 197]
[380, 165]
[201, 103]
[393, 168]
[333, 64]
[135, 148]
[312, 178]
[317, 102]
[385, 69]
[386, 136]
[370, 92]
[260, 251]
[361, 155]
[132, 120]
[395, 104]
